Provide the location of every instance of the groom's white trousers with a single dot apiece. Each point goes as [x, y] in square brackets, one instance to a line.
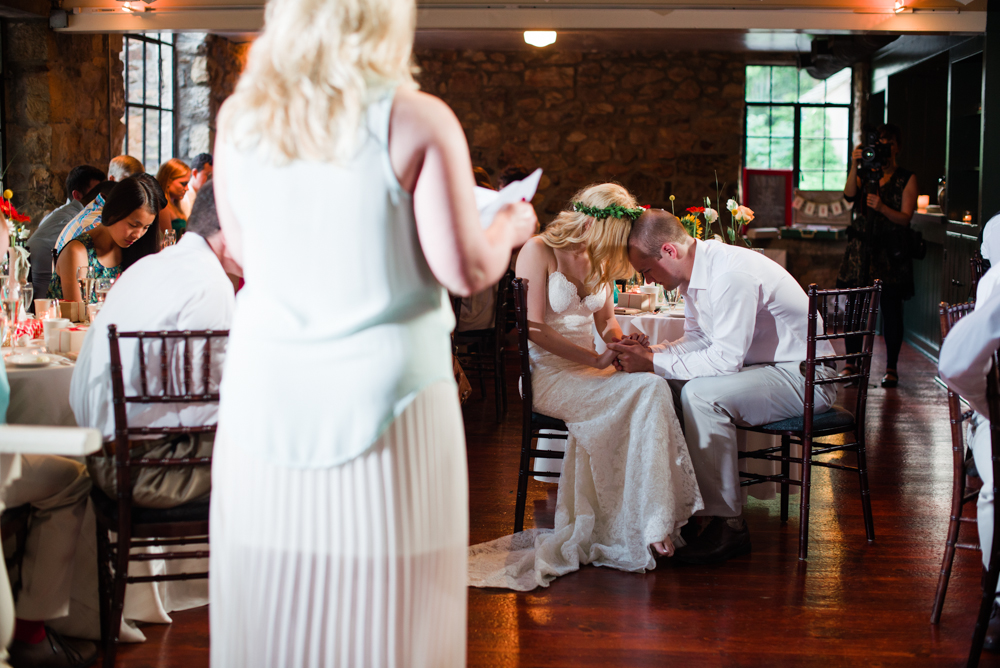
[712, 407]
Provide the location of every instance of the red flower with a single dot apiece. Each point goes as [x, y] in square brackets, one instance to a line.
[8, 210]
[696, 209]
[644, 206]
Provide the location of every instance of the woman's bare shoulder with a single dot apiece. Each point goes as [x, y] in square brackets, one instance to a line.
[418, 108]
[534, 254]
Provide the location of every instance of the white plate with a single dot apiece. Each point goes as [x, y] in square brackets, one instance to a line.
[33, 361]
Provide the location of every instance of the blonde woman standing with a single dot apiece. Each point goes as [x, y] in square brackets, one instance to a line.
[173, 176]
[628, 484]
[340, 491]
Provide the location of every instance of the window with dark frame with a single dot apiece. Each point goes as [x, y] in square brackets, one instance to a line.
[799, 123]
[149, 98]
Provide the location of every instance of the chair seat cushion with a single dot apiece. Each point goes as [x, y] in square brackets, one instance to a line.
[545, 422]
[835, 419]
[196, 511]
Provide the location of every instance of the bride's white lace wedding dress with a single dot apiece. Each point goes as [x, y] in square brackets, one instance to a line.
[627, 479]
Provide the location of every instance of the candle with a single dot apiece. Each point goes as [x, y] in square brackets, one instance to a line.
[967, 218]
[923, 201]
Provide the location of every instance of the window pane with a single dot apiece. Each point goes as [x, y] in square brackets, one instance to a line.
[813, 122]
[834, 179]
[835, 154]
[838, 87]
[811, 154]
[136, 51]
[167, 134]
[152, 74]
[152, 140]
[758, 153]
[758, 121]
[781, 154]
[837, 122]
[134, 147]
[812, 91]
[758, 84]
[782, 121]
[167, 82]
[811, 180]
[784, 84]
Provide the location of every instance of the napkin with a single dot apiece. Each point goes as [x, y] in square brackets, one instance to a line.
[489, 202]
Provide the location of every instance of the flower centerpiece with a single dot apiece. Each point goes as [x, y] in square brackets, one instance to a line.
[17, 230]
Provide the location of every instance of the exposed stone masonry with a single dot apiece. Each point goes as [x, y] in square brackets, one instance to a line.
[658, 123]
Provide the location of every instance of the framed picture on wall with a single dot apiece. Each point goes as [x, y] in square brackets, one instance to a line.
[769, 193]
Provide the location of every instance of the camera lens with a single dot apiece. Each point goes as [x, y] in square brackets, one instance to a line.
[868, 154]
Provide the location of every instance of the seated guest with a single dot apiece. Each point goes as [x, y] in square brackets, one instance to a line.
[130, 212]
[174, 177]
[963, 364]
[476, 310]
[79, 183]
[57, 488]
[200, 297]
[87, 219]
[121, 167]
[124, 166]
[737, 363]
[201, 173]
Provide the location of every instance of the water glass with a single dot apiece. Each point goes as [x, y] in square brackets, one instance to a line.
[102, 286]
[85, 279]
[27, 292]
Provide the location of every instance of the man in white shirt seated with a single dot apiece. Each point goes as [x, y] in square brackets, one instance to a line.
[738, 362]
[183, 287]
[963, 364]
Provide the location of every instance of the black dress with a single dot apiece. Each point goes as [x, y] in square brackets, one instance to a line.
[888, 258]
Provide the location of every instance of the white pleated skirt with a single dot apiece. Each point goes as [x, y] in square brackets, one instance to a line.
[362, 564]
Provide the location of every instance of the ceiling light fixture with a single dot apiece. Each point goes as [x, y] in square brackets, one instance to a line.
[899, 6]
[540, 38]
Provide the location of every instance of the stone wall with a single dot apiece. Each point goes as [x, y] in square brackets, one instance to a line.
[658, 123]
[208, 67]
[57, 114]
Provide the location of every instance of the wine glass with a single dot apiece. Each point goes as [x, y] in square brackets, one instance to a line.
[10, 298]
[27, 292]
[85, 279]
[101, 286]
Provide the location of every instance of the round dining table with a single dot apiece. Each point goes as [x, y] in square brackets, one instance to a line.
[40, 395]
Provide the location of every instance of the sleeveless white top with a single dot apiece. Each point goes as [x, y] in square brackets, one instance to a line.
[340, 323]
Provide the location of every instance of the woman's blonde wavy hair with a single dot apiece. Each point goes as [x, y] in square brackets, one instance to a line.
[605, 240]
[312, 72]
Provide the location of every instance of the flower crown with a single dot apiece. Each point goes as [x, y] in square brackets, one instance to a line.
[610, 211]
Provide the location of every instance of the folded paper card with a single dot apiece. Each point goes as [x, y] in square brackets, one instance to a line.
[74, 311]
[489, 202]
[71, 339]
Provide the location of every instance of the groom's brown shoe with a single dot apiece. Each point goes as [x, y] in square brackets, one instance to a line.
[723, 539]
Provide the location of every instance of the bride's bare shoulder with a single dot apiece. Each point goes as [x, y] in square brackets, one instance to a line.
[534, 256]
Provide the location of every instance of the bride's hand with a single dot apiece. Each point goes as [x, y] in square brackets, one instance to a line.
[640, 338]
[605, 359]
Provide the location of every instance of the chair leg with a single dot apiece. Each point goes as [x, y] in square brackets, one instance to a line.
[522, 480]
[954, 525]
[499, 383]
[785, 469]
[119, 580]
[804, 500]
[866, 498]
[985, 607]
[104, 586]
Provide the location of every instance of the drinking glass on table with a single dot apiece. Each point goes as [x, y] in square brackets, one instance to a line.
[85, 279]
[10, 299]
[101, 286]
[27, 292]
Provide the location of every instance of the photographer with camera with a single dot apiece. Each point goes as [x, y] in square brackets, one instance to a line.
[880, 247]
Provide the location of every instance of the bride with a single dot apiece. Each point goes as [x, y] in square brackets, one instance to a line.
[627, 485]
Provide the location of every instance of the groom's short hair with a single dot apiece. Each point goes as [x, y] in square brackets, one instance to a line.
[654, 228]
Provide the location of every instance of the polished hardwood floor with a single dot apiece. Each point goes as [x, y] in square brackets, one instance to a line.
[853, 603]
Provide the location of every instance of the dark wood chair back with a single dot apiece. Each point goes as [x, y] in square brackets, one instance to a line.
[979, 266]
[174, 369]
[949, 315]
[485, 347]
[531, 422]
[992, 574]
[833, 314]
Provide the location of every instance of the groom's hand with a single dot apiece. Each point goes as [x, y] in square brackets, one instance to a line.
[632, 356]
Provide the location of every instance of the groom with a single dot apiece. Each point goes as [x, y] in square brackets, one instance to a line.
[737, 363]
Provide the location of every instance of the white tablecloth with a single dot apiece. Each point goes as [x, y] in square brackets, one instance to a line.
[40, 396]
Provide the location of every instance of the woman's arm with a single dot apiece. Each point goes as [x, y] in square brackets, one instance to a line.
[607, 324]
[532, 266]
[165, 217]
[851, 186]
[909, 204]
[73, 255]
[227, 219]
[430, 157]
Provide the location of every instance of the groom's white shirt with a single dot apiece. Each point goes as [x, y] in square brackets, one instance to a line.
[740, 308]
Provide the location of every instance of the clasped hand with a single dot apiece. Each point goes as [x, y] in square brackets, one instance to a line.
[631, 354]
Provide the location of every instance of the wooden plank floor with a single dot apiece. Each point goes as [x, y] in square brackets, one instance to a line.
[853, 603]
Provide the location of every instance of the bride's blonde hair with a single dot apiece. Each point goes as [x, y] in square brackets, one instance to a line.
[312, 72]
[605, 239]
